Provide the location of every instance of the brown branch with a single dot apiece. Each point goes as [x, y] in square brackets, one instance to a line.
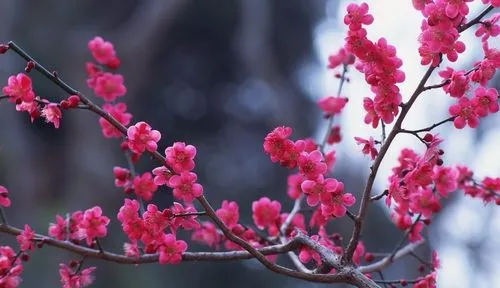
[429, 128]
[476, 20]
[379, 196]
[388, 260]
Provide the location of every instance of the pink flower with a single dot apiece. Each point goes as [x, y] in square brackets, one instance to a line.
[334, 136]
[458, 82]
[122, 177]
[280, 148]
[357, 15]
[415, 231]
[311, 165]
[265, 212]
[489, 27]
[424, 202]
[429, 281]
[180, 157]
[207, 234]
[117, 111]
[330, 159]
[141, 137]
[294, 182]
[229, 213]
[102, 51]
[332, 105]
[52, 114]
[19, 88]
[60, 229]
[368, 146]
[358, 253]
[26, 239]
[186, 222]
[109, 86]
[10, 268]
[155, 222]
[371, 117]
[94, 224]
[334, 204]
[445, 180]
[30, 107]
[342, 57]
[316, 189]
[171, 249]
[4, 197]
[420, 4]
[144, 186]
[307, 254]
[185, 186]
[131, 249]
[464, 113]
[73, 279]
[132, 224]
[162, 175]
[456, 8]
[485, 101]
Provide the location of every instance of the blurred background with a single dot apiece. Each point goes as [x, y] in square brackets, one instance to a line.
[220, 75]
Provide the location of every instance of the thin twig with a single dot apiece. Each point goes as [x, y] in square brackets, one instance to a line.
[379, 196]
[429, 128]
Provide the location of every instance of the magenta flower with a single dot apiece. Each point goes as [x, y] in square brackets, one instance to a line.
[26, 239]
[265, 212]
[180, 157]
[4, 197]
[109, 86]
[19, 89]
[357, 15]
[141, 137]
[332, 105]
[464, 113]
[485, 101]
[171, 249]
[185, 186]
[102, 51]
[94, 224]
[52, 114]
[229, 213]
[117, 111]
[368, 146]
[144, 186]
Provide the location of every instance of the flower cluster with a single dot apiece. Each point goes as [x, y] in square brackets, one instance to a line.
[310, 179]
[417, 185]
[88, 225]
[20, 91]
[378, 62]
[440, 33]
[106, 85]
[74, 277]
[10, 268]
[150, 229]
